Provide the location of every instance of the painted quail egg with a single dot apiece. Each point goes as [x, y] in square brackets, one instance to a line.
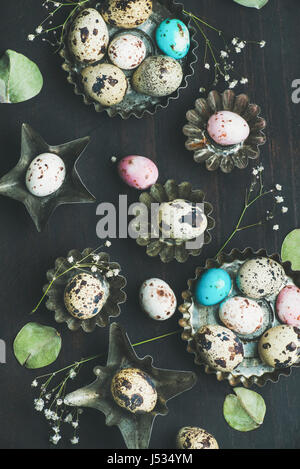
[173, 38]
[138, 172]
[104, 83]
[85, 296]
[127, 51]
[212, 287]
[241, 315]
[45, 175]
[219, 347]
[88, 37]
[157, 299]
[279, 346]
[126, 13]
[157, 76]
[227, 128]
[181, 220]
[195, 438]
[134, 390]
[288, 305]
[260, 277]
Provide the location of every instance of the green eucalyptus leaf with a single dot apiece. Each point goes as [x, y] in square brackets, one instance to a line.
[20, 78]
[37, 346]
[290, 250]
[252, 3]
[244, 411]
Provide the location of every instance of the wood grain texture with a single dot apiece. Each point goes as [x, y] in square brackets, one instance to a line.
[25, 255]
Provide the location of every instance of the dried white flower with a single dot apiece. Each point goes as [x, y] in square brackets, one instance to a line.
[262, 43]
[94, 268]
[109, 274]
[34, 384]
[107, 244]
[75, 424]
[55, 438]
[276, 227]
[238, 50]
[39, 29]
[243, 80]
[70, 259]
[31, 37]
[235, 40]
[279, 199]
[113, 159]
[72, 374]
[207, 66]
[278, 187]
[284, 209]
[39, 404]
[223, 54]
[59, 402]
[74, 440]
[68, 418]
[233, 84]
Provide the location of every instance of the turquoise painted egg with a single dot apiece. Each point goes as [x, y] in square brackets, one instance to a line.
[213, 287]
[173, 38]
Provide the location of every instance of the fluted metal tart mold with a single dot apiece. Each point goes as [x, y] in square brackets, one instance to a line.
[135, 104]
[209, 152]
[252, 371]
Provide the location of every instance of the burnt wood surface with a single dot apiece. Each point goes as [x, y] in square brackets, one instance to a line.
[25, 255]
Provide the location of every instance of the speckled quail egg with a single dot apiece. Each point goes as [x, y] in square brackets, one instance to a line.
[126, 13]
[260, 277]
[88, 37]
[134, 390]
[182, 220]
[279, 346]
[219, 347]
[127, 51]
[157, 76]
[45, 175]
[104, 83]
[85, 295]
[157, 299]
[241, 315]
[195, 438]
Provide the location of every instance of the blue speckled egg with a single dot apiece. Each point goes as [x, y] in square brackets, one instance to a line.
[173, 38]
[213, 287]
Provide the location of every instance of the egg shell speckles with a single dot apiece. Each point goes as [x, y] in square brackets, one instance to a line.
[157, 299]
[242, 315]
[127, 51]
[288, 305]
[105, 83]
[219, 347]
[279, 346]
[260, 277]
[173, 38]
[88, 37]
[227, 128]
[157, 76]
[212, 287]
[126, 13]
[195, 438]
[134, 390]
[45, 175]
[85, 296]
[138, 172]
[181, 220]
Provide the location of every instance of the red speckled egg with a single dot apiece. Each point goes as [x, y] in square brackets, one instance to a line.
[227, 128]
[138, 172]
[288, 305]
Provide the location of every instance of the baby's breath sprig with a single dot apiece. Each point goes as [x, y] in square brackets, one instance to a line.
[221, 59]
[256, 192]
[51, 403]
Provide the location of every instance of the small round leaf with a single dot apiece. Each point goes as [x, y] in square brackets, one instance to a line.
[36, 345]
[252, 3]
[244, 411]
[290, 250]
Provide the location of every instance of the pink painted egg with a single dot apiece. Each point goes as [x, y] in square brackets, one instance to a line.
[138, 172]
[227, 128]
[288, 305]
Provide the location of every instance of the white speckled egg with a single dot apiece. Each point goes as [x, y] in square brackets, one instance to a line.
[181, 220]
[105, 83]
[227, 128]
[241, 315]
[127, 51]
[260, 277]
[134, 390]
[85, 295]
[45, 175]
[279, 346]
[157, 299]
[158, 76]
[195, 438]
[126, 13]
[88, 37]
[219, 347]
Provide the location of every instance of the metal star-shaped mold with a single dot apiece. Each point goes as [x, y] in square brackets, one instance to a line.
[136, 429]
[72, 190]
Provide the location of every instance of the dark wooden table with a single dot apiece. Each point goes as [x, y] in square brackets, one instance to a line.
[25, 255]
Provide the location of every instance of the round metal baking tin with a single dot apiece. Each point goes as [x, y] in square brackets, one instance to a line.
[135, 104]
